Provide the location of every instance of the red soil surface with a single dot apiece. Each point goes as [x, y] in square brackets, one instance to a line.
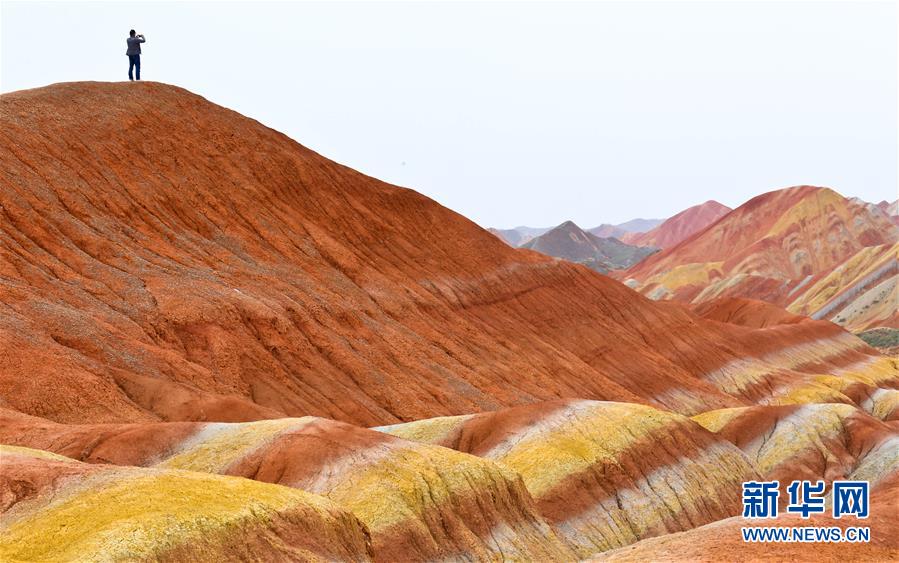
[165, 258]
[165, 261]
[746, 312]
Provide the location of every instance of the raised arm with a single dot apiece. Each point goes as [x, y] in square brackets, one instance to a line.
[142, 38]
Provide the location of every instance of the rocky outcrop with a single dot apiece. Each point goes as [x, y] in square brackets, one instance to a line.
[222, 272]
[786, 443]
[722, 541]
[189, 298]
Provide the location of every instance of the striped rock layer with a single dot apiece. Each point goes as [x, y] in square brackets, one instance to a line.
[192, 264]
[53, 508]
[722, 540]
[173, 269]
[804, 248]
[796, 442]
[812, 442]
[679, 227]
[418, 502]
[603, 474]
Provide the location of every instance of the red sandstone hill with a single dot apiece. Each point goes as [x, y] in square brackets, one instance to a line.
[746, 312]
[805, 248]
[163, 258]
[680, 226]
[166, 264]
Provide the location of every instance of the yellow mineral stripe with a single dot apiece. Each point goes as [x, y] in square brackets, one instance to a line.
[874, 371]
[882, 461]
[806, 428]
[845, 275]
[714, 421]
[130, 514]
[882, 403]
[402, 486]
[684, 486]
[427, 431]
[30, 452]
[571, 440]
[218, 445]
[735, 377]
[809, 208]
[685, 274]
[818, 389]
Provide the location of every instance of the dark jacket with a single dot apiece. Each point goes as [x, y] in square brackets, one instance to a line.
[134, 44]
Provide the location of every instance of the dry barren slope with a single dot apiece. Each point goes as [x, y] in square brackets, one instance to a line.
[162, 257]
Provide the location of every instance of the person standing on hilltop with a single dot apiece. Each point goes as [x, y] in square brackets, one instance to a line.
[134, 40]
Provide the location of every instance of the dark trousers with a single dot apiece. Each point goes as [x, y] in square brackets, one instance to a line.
[133, 62]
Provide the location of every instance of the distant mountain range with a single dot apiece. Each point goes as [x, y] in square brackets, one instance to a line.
[570, 242]
[680, 226]
[805, 248]
[618, 231]
[612, 247]
[518, 236]
[891, 209]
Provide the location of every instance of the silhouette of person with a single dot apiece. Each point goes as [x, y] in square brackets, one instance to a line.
[134, 40]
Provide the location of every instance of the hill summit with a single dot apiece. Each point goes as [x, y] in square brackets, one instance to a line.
[570, 242]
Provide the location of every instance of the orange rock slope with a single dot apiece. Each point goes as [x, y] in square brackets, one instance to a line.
[807, 249]
[203, 317]
[164, 258]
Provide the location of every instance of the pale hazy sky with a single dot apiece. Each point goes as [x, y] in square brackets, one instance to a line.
[522, 113]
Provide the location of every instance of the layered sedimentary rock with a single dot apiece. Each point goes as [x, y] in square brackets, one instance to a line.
[799, 442]
[746, 312]
[807, 249]
[56, 509]
[723, 541]
[861, 293]
[679, 227]
[603, 474]
[223, 272]
[418, 502]
[811, 442]
[171, 269]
